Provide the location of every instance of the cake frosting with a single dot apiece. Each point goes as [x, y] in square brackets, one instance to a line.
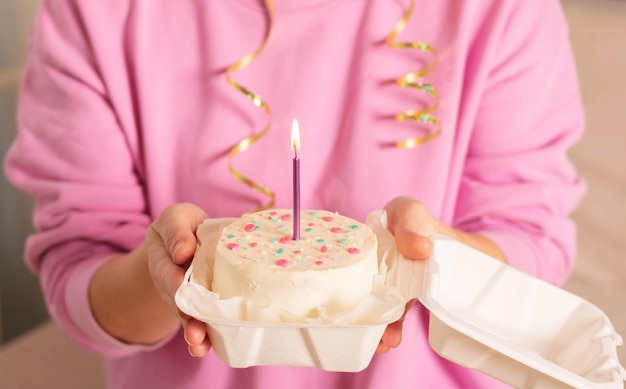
[330, 269]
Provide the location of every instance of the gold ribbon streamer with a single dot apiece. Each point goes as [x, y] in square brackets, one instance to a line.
[256, 99]
[413, 80]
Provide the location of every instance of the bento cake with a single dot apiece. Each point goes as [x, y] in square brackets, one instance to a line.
[330, 268]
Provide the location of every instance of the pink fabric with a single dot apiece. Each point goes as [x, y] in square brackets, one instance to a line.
[125, 109]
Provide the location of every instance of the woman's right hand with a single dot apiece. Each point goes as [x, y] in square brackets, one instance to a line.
[171, 244]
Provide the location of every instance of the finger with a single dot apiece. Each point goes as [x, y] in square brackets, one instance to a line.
[382, 348]
[411, 244]
[200, 350]
[412, 224]
[167, 276]
[177, 226]
[392, 337]
[198, 343]
[195, 332]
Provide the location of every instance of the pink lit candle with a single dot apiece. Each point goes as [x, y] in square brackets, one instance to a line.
[295, 143]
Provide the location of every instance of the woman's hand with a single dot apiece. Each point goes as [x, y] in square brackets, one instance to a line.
[171, 244]
[412, 225]
[132, 295]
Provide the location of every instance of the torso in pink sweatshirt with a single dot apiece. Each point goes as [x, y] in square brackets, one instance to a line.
[126, 109]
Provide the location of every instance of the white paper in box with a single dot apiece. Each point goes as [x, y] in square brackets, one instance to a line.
[484, 315]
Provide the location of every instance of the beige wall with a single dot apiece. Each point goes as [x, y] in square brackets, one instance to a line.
[598, 30]
[21, 305]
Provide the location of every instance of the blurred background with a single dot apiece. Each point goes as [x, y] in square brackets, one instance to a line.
[21, 305]
[598, 32]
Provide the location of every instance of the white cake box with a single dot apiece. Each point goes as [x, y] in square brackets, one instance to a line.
[484, 315]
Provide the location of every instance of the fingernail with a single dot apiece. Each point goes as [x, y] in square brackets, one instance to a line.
[190, 352]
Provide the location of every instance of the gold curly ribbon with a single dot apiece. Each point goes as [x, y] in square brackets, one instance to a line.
[256, 99]
[414, 80]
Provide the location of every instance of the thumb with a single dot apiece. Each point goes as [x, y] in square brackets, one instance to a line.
[177, 226]
[411, 244]
[412, 225]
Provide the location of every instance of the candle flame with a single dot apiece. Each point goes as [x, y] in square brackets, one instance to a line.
[295, 135]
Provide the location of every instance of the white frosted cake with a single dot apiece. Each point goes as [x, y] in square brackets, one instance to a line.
[330, 268]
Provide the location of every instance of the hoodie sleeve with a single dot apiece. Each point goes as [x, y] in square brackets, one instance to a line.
[73, 157]
[518, 186]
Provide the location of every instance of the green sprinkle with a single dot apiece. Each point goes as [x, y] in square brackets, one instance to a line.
[230, 236]
[309, 229]
[355, 227]
[320, 241]
[280, 251]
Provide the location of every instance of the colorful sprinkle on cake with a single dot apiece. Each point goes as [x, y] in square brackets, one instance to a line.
[321, 238]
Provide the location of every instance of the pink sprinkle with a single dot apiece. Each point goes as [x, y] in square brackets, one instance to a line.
[285, 217]
[319, 263]
[282, 263]
[324, 249]
[232, 246]
[328, 218]
[311, 224]
[285, 239]
[273, 213]
[336, 230]
[253, 244]
[297, 252]
[353, 250]
[249, 227]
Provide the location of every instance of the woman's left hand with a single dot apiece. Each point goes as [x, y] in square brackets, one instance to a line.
[412, 225]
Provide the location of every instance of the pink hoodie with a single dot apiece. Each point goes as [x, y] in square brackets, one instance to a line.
[125, 109]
